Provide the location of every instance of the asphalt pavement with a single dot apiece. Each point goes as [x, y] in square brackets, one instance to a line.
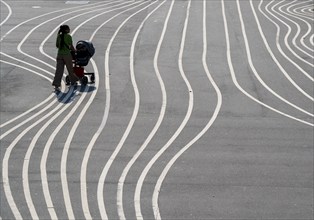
[199, 110]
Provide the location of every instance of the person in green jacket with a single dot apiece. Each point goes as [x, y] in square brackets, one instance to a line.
[64, 44]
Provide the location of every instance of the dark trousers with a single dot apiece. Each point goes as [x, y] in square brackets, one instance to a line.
[64, 60]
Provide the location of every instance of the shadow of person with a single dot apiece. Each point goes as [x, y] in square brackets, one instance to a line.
[69, 95]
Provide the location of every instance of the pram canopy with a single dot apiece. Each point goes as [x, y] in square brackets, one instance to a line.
[84, 51]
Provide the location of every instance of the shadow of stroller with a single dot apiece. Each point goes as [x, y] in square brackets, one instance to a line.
[69, 95]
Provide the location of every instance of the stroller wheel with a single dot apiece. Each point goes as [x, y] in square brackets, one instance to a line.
[67, 80]
[92, 78]
[84, 80]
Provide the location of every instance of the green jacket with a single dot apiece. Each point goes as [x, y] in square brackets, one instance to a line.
[65, 49]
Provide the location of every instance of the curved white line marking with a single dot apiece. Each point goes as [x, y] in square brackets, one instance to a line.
[199, 135]
[186, 117]
[33, 108]
[101, 182]
[28, 154]
[297, 26]
[63, 170]
[62, 15]
[309, 31]
[88, 150]
[286, 36]
[5, 164]
[41, 47]
[134, 158]
[250, 61]
[43, 15]
[44, 175]
[137, 194]
[6, 184]
[9, 14]
[234, 79]
[279, 46]
[25, 170]
[30, 118]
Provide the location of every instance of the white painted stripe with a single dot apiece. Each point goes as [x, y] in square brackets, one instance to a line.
[286, 40]
[66, 147]
[101, 182]
[43, 162]
[64, 21]
[297, 26]
[8, 192]
[41, 48]
[187, 115]
[234, 79]
[137, 194]
[305, 11]
[77, 2]
[308, 24]
[27, 157]
[134, 158]
[250, 61]
[84, 194]
[25, 167]
[9, 14]
[281, 51]
[64, 180]
[43, 15]
[29, 118]
[199, 135]
[5, 164]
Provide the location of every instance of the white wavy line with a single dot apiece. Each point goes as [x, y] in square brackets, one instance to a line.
[298, 28]
[309, 31]
[43, 162]
[137, 193]
[9, 14]
[304, 14]
[8, 151]
[32, 117]
[27, 63]
[234, 79]
[25, 166]
[100, 186]
[279, 45]
[32, 210]
[199, 135]
[28, 155]
[84, 199]
[250, 61]
[287, 34]
[7, 154]
[63, 178]
[33, 108]
[27, 192]
[186, 117]
[62, 15]
[41, 47]
[63, 171]
[45, 182]
[134, 158]
[43, 15]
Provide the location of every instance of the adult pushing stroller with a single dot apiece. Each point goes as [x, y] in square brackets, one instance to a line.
[84, 51]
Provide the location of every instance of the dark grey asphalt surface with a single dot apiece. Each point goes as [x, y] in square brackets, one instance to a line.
[176, 126]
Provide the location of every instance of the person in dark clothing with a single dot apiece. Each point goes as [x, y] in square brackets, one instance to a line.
[64, 43]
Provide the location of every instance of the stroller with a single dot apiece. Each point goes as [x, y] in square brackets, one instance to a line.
[84, 51]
